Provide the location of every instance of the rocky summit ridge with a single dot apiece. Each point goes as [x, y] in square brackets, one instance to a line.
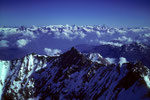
[72, 75]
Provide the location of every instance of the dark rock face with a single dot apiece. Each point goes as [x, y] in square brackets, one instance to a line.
[73, 76]
[132, 52]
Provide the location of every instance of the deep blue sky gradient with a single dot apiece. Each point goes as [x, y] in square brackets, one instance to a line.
[120, 13]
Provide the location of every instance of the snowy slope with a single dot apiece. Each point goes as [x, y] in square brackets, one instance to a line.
[73, 75]
[4, 71]
[96, 57]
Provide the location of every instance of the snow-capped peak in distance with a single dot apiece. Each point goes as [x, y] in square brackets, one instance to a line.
[96, 57]
[131, 52]
[60, 37]
[72, 75]
[59, 30]
[73, 31]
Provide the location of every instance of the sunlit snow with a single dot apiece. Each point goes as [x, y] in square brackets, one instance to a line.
[4, 69]
[147, 80]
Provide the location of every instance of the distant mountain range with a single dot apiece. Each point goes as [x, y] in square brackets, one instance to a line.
[132, 52]
[16, 42]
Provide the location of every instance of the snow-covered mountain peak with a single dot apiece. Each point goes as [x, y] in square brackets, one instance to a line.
[72, 75]
[96, 57]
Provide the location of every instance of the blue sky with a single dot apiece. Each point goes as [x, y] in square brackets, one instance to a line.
[120, 13]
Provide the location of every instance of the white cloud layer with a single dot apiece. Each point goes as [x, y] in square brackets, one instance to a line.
[124, 39]
[122, 60]
[22, 42]
[87, 34]
[147, 35]
[121, 31]
[52, 52]
[110, 43]
[4, 43]
[111, 60]
[5, 32]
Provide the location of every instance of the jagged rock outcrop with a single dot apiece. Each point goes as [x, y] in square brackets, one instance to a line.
[72, 75]
[132, 52]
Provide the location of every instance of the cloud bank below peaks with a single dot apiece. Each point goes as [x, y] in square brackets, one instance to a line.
[4, 43]
[52, 52]
[80, 34]
[22, 42]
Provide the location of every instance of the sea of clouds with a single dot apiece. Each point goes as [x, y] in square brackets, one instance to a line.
[50, 38]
